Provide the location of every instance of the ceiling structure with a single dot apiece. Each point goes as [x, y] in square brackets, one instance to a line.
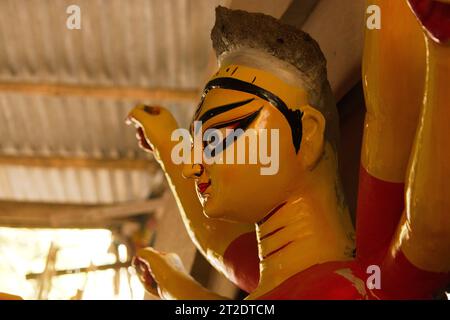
[65, 94]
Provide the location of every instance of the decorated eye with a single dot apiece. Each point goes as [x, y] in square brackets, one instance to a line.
[216, 136]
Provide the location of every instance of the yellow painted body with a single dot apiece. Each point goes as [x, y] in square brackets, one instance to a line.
[424, 235]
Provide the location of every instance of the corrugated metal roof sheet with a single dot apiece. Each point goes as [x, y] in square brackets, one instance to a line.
[142, 43]
[149, 43]
[72, 126]
[76, 185]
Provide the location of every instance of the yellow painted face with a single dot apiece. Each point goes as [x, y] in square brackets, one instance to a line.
[240, 97]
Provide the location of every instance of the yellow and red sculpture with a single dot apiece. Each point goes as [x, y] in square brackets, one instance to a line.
[289, 235]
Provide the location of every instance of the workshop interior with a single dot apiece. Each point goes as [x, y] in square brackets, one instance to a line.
[111, 187]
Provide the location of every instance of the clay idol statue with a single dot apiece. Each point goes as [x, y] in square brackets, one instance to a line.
[286, 233]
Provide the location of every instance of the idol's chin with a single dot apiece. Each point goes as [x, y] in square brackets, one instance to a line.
[211, 209]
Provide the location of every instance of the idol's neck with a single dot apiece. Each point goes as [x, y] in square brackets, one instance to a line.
[312, 226]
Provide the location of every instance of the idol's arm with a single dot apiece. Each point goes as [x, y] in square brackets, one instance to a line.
[163, 275]
[425, 233]
[221, 242]
[393, 78]
[418, 261]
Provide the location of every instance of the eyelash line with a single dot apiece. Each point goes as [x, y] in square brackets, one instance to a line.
[247, 121]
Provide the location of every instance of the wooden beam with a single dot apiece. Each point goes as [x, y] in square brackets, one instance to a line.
[298, 12]
[72, 162]
[338, 26]
[120, 93]
[52, 215]
[274, 8]
[352, 114]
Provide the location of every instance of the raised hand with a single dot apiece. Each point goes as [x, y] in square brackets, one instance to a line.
[163, 275]
[154, 126]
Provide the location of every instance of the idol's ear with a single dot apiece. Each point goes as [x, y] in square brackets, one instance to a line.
[312, 145]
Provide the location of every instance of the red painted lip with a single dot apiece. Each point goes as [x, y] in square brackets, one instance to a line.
[434, 17]
[201, 187]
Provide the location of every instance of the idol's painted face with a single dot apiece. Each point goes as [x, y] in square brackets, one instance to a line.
[239, 191]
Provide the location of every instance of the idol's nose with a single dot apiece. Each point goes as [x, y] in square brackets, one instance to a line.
[192, 171]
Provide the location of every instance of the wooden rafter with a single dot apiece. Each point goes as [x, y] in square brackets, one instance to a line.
[273, 8]
[338, 27]
[73, 162]
[52, 215]
[117, 92]
[298, 12]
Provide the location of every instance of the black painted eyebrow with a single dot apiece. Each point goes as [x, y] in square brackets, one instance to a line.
[227, 107]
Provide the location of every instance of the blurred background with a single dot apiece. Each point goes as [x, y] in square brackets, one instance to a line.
[77, 195]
